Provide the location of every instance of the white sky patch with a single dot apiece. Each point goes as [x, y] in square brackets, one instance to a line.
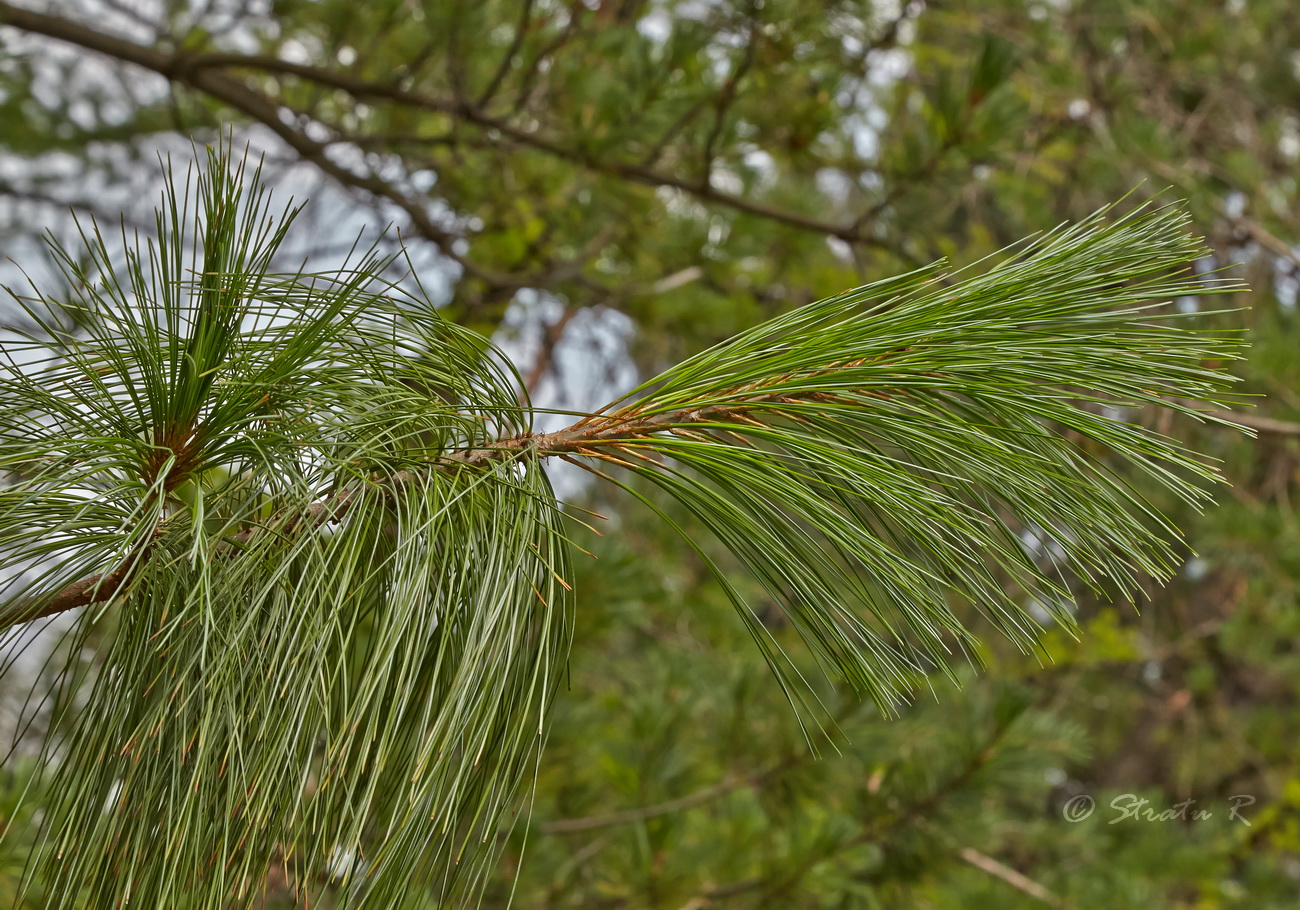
[114, 792]
[24, 652]
[1286, 280]
[656, 25]
[834, 184]
[840, 249]
[727, 181]
[341, 864]
[679, 204]
[763, 166]
[591, 366]
[1045, 612]
[1041, 545]
[300, 50]
[887, 65]
[1288, 141]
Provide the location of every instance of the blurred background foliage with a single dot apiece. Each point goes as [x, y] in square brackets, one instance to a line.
[606, 186]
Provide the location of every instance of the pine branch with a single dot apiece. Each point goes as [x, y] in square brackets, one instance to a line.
[601, 437]
[342, 602]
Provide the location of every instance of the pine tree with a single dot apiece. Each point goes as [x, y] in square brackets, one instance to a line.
[326, 578]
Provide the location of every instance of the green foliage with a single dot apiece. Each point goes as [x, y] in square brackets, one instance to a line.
[586, 151]
[874, 447]
[327, 654]
[341, 600]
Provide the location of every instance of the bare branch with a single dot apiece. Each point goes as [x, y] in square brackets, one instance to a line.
[206, 73]
[1267, 239]
[507, 61]
[1017, 880]
[551, 337]
[191, 70]
[726, 96]
[1259, 423]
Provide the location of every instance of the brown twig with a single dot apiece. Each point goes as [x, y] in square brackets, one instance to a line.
[1255, 422]
[1265, 238]
[600, 436]
[96, 589]
[1262, 424]
[1017, 880]
[551, 336]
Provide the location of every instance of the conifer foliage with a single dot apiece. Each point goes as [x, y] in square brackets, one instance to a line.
[308, 525]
